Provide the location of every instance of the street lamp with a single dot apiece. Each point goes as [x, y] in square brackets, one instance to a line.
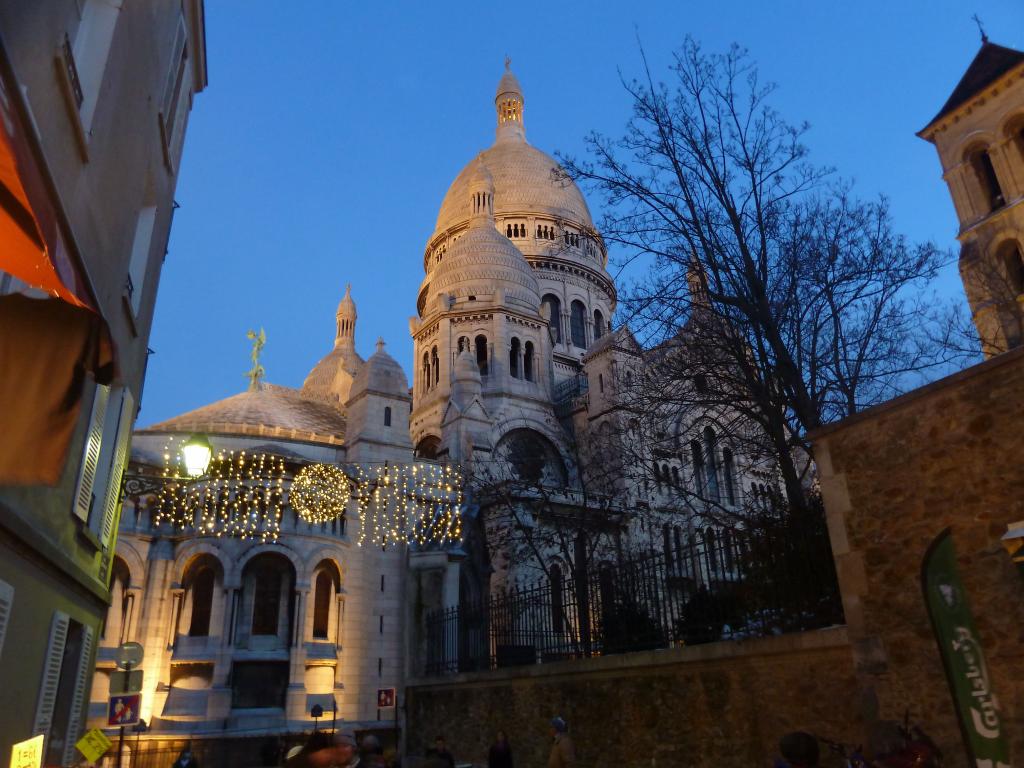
[197, 453]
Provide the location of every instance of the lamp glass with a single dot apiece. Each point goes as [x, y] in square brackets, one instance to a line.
[197, 453]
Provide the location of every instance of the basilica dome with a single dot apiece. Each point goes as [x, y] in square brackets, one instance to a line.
[525, 179]
[482, 260]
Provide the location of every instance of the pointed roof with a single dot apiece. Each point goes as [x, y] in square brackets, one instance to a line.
[990, 63]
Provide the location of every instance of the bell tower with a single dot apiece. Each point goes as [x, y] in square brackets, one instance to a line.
[979, 135]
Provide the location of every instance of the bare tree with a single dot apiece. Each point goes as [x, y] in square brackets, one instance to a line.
[773, 293]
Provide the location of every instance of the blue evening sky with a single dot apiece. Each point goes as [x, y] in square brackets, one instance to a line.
[331, 130]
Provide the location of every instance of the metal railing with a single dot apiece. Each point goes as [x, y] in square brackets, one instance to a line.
[774, 577]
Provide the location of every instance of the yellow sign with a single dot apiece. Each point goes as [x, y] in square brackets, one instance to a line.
[93, 745]
[28, 754]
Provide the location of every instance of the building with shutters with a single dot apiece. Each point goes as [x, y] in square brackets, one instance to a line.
[95, 97]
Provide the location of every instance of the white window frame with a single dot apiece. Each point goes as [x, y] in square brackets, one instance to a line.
[138, 265]
[89, 469]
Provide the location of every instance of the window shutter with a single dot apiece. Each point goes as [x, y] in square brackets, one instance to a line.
[140, 257]
[91, 454]
[81, 692]
[6, 603]
[51, 674]
[120, 460]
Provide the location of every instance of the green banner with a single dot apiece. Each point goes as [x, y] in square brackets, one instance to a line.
[976, 704]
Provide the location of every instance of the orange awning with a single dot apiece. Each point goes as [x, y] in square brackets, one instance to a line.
[31, 248]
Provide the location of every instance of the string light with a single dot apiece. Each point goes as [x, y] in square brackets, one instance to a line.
[407, 503]
[320, 493]
[244, 495]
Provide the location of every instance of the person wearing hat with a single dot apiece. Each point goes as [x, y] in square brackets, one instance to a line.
[563, 753]
[325, 750]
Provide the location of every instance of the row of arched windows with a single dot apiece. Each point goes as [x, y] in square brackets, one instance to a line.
[479, 348]
[714, 471]
[430, 370]
[577, 321]
[515, 230]
[521, 352]
[978, 157]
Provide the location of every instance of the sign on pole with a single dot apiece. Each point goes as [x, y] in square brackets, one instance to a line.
[385, 698]
[125, 682]
[93, 745]
[124, 709]
[128, 655]
[28, 754]
[962, 656]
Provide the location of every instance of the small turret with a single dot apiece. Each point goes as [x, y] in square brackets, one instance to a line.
[481, 194]
[509, 103]
[346, 336]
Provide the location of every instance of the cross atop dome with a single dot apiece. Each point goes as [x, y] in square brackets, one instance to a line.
[509, 103]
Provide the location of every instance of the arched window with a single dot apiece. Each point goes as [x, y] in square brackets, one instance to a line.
[598, 324]
[600, 382]
[116, 627]
[435, 364]
[554, 315]
[1013, 261]
[665, 474]
[557, 614]
[513, 359]
[322, 605]
[711, 452]
[202, 602]
[710, 546]
[729, 475]
[675, 476]
[508, 231]
[481, 354]
[426, 371]
[427, 448]
[528, 361]
[577, 324]
[985, 173]
[269, 576]
[387, 415]
[463, 343]
[697, 454]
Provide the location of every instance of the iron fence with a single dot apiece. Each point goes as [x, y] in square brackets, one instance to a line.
[772, 577]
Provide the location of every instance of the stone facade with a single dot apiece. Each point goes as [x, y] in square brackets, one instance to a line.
[724, 704]
[893, 478]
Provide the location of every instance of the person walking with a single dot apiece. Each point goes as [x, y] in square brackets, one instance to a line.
[563, 752]
[440, 755]
[186, 759]
[500, 754]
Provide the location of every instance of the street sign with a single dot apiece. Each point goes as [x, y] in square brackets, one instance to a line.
[93, 745]
[124, 709]
[28, 754]
[125, 682]
[385, 698]
[128, 655]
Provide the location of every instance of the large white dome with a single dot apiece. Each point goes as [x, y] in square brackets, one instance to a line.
[524, 182]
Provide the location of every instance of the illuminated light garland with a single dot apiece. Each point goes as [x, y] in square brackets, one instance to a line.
[409, 503]
[320, 493]
[242, 496]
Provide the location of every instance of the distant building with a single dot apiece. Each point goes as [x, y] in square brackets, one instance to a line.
[979, 134]
[94, 98]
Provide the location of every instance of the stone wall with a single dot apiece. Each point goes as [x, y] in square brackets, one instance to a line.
[894, 477]
[720, 704]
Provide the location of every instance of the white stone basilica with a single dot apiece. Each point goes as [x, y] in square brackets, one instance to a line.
[513, 321]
